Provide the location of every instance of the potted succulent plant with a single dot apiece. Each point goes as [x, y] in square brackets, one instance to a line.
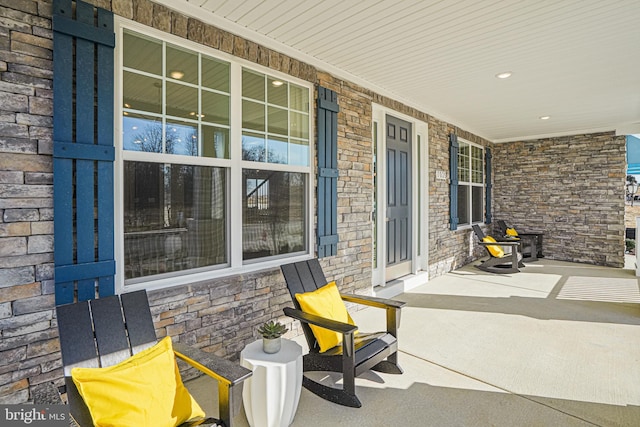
[272, 336]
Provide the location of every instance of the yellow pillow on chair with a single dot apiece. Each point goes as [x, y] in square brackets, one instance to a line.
[143, 390]
[325, 302]
[512, 232]
[495, 250]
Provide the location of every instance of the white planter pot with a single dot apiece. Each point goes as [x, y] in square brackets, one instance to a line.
[271, 345]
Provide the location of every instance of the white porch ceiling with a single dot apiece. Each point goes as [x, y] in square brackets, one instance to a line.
[577, 61]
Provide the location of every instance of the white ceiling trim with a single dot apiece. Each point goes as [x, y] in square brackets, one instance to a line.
[556, 134]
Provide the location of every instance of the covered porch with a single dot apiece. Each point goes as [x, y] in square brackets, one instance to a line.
[556, 344]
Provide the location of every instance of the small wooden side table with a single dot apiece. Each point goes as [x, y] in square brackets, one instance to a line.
[271, 394]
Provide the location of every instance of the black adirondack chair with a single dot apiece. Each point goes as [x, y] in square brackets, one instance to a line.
[506, 264]
[108, 330]
[357, 353]
[532, 242]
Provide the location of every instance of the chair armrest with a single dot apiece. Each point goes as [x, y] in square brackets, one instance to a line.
[373, 301]
[221, 369]
[507, 238]
[501, 243]
[343, 328]
[531, 234]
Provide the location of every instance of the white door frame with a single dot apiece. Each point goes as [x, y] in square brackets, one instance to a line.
[419, 192]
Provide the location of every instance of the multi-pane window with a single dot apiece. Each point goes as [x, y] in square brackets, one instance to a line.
[275, 130]
[470, 183]
[178, 139]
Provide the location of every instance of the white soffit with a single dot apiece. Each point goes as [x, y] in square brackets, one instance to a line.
[576, 61]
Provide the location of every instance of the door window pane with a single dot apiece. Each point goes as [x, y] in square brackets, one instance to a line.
[273, 213]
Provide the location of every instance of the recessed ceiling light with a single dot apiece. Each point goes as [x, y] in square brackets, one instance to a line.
[277, 83]
[176, 74]
[504, 75]
[544, 117]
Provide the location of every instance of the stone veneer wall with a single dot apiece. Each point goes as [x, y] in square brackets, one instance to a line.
[570, 187]
[28, 336]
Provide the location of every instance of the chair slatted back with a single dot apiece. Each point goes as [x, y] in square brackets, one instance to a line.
[100, 333]
[502, 225]
[301, 277]
[111, 334]
[478, 231]
[137, 313]
[104, 331]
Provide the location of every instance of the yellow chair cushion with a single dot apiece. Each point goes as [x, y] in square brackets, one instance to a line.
[325, 302]
[495, 250]
[512, 232]
[144, 390]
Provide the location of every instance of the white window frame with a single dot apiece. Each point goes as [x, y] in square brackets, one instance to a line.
[235, 165]
[470, 183]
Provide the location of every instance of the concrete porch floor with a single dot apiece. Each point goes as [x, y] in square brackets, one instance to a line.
[555, 345]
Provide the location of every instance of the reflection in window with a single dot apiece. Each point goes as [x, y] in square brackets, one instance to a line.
[176, 161]
[174, 218]
[142, 133]
[273, 212]
[175, 110]
[181, 138]
[277, 112]
[253, 147]
[142, 93]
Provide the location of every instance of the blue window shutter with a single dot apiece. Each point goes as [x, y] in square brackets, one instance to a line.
[327, 172]
[453, 181]
[83, 151]
[487, 165]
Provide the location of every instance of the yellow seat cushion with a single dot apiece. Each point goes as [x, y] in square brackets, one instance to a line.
[143, 390]
[512, 232]
[325, 302]
[495, 250]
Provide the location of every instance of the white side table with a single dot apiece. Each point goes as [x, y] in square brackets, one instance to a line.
[271, 394]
